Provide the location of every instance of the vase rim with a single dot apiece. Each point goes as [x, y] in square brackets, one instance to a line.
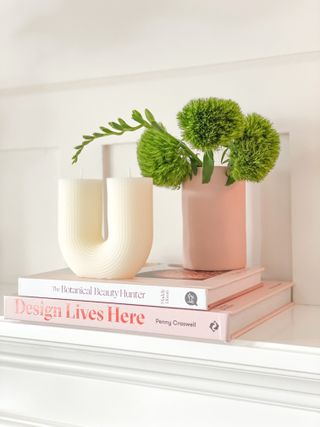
[215, 167]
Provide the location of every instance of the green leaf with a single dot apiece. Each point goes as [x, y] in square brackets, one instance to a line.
[124, 125]
[224, 155]
[194, 166]
[137, 117]
[157, 126]
[230, 180]
[98, 135]
[87, 137]
[115, 126]
[77, 147]
[149, 115]
[208, 166]
[105, 130]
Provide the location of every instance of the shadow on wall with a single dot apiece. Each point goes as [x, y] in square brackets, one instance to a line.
[269, 219]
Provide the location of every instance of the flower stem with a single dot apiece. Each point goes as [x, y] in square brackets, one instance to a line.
[190, 153]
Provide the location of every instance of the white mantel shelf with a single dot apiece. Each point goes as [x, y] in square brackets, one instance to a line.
[277, 364]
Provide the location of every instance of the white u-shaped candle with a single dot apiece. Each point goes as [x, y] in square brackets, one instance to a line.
[130, 226]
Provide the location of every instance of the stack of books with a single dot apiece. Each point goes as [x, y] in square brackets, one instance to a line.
[160, 300]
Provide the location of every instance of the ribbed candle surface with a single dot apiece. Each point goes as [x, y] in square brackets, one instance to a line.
[130, 226]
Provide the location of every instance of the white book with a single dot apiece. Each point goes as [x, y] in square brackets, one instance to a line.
[169, 286]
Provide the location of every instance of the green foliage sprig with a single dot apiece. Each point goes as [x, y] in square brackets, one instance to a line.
[161, 156]
[118, 128]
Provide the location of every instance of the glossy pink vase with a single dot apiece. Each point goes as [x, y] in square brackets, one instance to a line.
[214, 223]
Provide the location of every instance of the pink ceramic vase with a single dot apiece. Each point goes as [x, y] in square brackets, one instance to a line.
[214, 223]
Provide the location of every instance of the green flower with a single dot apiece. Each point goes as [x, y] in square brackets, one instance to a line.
[208, 123]
[255, 152]
[163, 158]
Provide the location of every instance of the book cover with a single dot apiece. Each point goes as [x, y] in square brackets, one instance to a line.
[162, 287]
[222, 323]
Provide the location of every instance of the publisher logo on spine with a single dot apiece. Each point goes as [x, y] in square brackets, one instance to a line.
[191, 298]
[214, 326]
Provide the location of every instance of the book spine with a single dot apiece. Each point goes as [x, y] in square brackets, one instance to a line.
[151, 320]
[119, 293]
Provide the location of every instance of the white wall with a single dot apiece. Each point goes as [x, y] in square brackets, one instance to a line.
[69, 66]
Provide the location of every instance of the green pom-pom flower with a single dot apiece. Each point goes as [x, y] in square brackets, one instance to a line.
[208, 123]
[163, 158]
[255, 152]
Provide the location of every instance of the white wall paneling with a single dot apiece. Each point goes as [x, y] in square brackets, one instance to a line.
[59, 94]
[28, 204]
[269, 229]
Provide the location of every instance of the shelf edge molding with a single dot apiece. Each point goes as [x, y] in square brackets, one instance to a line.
[279, 387]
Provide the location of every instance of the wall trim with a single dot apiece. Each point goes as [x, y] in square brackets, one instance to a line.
[40, 147]
[156, 74]
[18, 420]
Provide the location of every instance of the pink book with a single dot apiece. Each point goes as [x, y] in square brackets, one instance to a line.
[161, 287]
[225, 322]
